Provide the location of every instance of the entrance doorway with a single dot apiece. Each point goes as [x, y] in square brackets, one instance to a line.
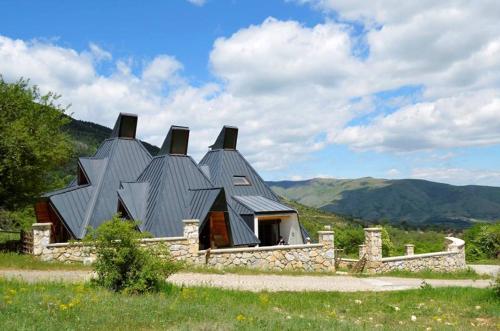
[269, 232]
[215, 233]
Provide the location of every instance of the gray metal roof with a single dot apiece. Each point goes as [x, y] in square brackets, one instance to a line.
[117, 160]
[224, 164]
[178, 190]
[259, 204]
[201, 202]
[134, 197]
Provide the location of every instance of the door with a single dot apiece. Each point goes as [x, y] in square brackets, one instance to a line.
[269, 232]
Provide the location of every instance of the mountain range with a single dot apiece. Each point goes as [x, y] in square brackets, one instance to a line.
[410, 202]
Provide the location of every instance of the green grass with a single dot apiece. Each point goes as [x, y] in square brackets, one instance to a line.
[465, 274]
[428, 274]
[9, 236]
[486, 261]
[57, 306]
[21, 261]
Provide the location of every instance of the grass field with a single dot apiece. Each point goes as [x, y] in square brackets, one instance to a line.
[79, 307]
[21, 261]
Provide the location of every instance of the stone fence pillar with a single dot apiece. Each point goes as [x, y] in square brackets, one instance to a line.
[326, 237]
[191, 232]
[409, 249]
[373, 242]
[41, 237]
[362, 251]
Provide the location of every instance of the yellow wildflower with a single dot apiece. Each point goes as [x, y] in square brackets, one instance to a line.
[240, 317]
[264, 299]
[63, 306]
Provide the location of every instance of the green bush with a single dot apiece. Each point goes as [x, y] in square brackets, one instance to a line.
[21, 219]
[123, 265]
[482, 241]
[387, 245]
[349, 238]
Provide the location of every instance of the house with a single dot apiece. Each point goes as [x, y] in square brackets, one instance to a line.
[234, 205]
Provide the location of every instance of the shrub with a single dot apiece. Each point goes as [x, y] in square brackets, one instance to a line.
[123, 265]
[349, 238]
[482, 241]
[387, 245]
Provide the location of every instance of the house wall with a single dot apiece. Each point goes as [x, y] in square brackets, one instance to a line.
[290, 229]
[310, 257]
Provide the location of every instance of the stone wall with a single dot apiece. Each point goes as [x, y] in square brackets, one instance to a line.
[452, 259]
[308, 257]
[183, 248]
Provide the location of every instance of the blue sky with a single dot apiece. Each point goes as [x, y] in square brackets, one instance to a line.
[340, 89]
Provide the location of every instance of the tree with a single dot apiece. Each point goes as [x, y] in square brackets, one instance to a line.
[31, 142]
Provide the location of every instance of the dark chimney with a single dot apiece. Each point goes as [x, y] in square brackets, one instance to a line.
[176, 141]
[227, 138]
[125, 126]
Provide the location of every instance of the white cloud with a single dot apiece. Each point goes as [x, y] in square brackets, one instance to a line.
[470, 119]
[197, 2]
[458, 176]
[393, 173]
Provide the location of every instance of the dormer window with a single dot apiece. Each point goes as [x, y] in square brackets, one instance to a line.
[241, 181]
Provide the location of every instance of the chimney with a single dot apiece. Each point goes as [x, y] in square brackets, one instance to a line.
[125, 126]
[227, 138]
[176, 142]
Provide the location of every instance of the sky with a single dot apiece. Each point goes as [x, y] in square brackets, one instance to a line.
[318, 88]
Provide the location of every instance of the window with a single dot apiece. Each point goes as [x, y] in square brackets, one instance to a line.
[241, 181]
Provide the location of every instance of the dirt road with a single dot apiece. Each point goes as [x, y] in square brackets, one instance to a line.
[264, 282]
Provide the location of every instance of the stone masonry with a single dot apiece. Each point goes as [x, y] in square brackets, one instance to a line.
[309, 257]
[450, 260]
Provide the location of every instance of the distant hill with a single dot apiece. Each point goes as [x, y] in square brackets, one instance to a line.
[406, 201]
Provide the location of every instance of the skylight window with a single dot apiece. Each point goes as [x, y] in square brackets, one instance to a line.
[241, 181]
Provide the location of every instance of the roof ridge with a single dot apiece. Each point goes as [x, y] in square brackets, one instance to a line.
[90, 207]
[159, 189]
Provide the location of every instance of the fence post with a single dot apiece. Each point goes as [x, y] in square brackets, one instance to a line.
[41, 237]
[409, 249]
[191, 233]
[373, 242]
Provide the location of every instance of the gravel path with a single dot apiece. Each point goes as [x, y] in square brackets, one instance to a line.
[486, 269]
[265, 282]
